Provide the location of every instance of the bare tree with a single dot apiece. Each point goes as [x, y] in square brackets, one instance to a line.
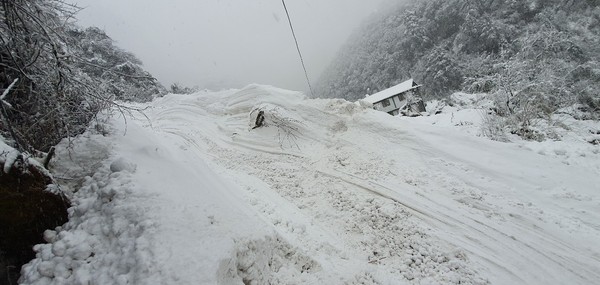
[58, 94]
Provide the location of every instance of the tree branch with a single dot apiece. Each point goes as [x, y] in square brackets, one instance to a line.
[5, 114]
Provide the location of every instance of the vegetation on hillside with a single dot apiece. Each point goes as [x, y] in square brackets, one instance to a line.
[62, 76]
[533, 56]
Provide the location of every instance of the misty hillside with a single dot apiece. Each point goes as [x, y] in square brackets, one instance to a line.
[120, 72]
[57, 77]
[527, 50]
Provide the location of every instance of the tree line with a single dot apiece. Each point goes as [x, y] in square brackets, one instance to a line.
[61, 75]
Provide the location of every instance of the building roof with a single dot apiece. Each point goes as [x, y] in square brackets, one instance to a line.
[392, 91]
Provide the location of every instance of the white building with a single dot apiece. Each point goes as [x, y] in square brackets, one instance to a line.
[393, 99]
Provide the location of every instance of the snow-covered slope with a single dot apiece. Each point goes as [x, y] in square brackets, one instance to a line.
[328, 192]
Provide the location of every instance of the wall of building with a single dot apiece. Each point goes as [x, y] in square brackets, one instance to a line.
[395, 103]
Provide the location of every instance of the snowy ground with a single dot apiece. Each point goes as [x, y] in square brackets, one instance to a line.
[337, 194]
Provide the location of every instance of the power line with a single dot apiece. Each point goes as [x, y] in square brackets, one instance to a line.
[298, 48]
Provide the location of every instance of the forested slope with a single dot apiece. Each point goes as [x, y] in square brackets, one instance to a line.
[62, 75]
[523, 51]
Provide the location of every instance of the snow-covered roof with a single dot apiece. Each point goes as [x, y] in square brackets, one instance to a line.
[387, 93]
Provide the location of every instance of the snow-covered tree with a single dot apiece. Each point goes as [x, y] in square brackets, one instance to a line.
[119, 72]
[65, 76]
[540, 51]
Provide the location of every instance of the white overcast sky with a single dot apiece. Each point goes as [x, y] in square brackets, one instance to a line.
[228, 43]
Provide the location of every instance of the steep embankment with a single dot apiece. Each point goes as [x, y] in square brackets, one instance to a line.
[30, 203]
[326, 192]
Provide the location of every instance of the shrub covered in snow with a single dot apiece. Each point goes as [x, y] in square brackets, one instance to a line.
[65, 75]
[288, 127]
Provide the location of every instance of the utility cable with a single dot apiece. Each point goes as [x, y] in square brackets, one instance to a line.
[298, 48]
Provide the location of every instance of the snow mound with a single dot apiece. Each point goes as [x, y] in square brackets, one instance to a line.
[104, 242]
[343, 107]
[122, 164]
[268, 261]
[244, 100]
[352, 196]
[467, 100]
[9, 158]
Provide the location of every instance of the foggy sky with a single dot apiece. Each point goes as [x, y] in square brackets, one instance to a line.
[228, 43]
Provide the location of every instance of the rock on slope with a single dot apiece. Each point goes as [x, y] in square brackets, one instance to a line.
[30, 203]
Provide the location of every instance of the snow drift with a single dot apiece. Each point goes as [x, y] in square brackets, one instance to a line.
[192, 194]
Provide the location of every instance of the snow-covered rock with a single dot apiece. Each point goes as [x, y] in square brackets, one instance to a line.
[122, 164]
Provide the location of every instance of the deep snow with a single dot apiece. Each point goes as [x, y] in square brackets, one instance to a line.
[329, 192]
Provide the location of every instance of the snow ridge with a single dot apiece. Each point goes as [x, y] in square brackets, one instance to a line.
[105, 240]
[191, 194]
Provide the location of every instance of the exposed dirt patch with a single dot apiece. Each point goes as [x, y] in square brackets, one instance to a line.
[26, 211]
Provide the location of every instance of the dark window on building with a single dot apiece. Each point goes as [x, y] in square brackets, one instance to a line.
[385, 103]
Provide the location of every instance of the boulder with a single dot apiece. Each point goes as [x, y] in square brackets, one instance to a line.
[27, 209]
